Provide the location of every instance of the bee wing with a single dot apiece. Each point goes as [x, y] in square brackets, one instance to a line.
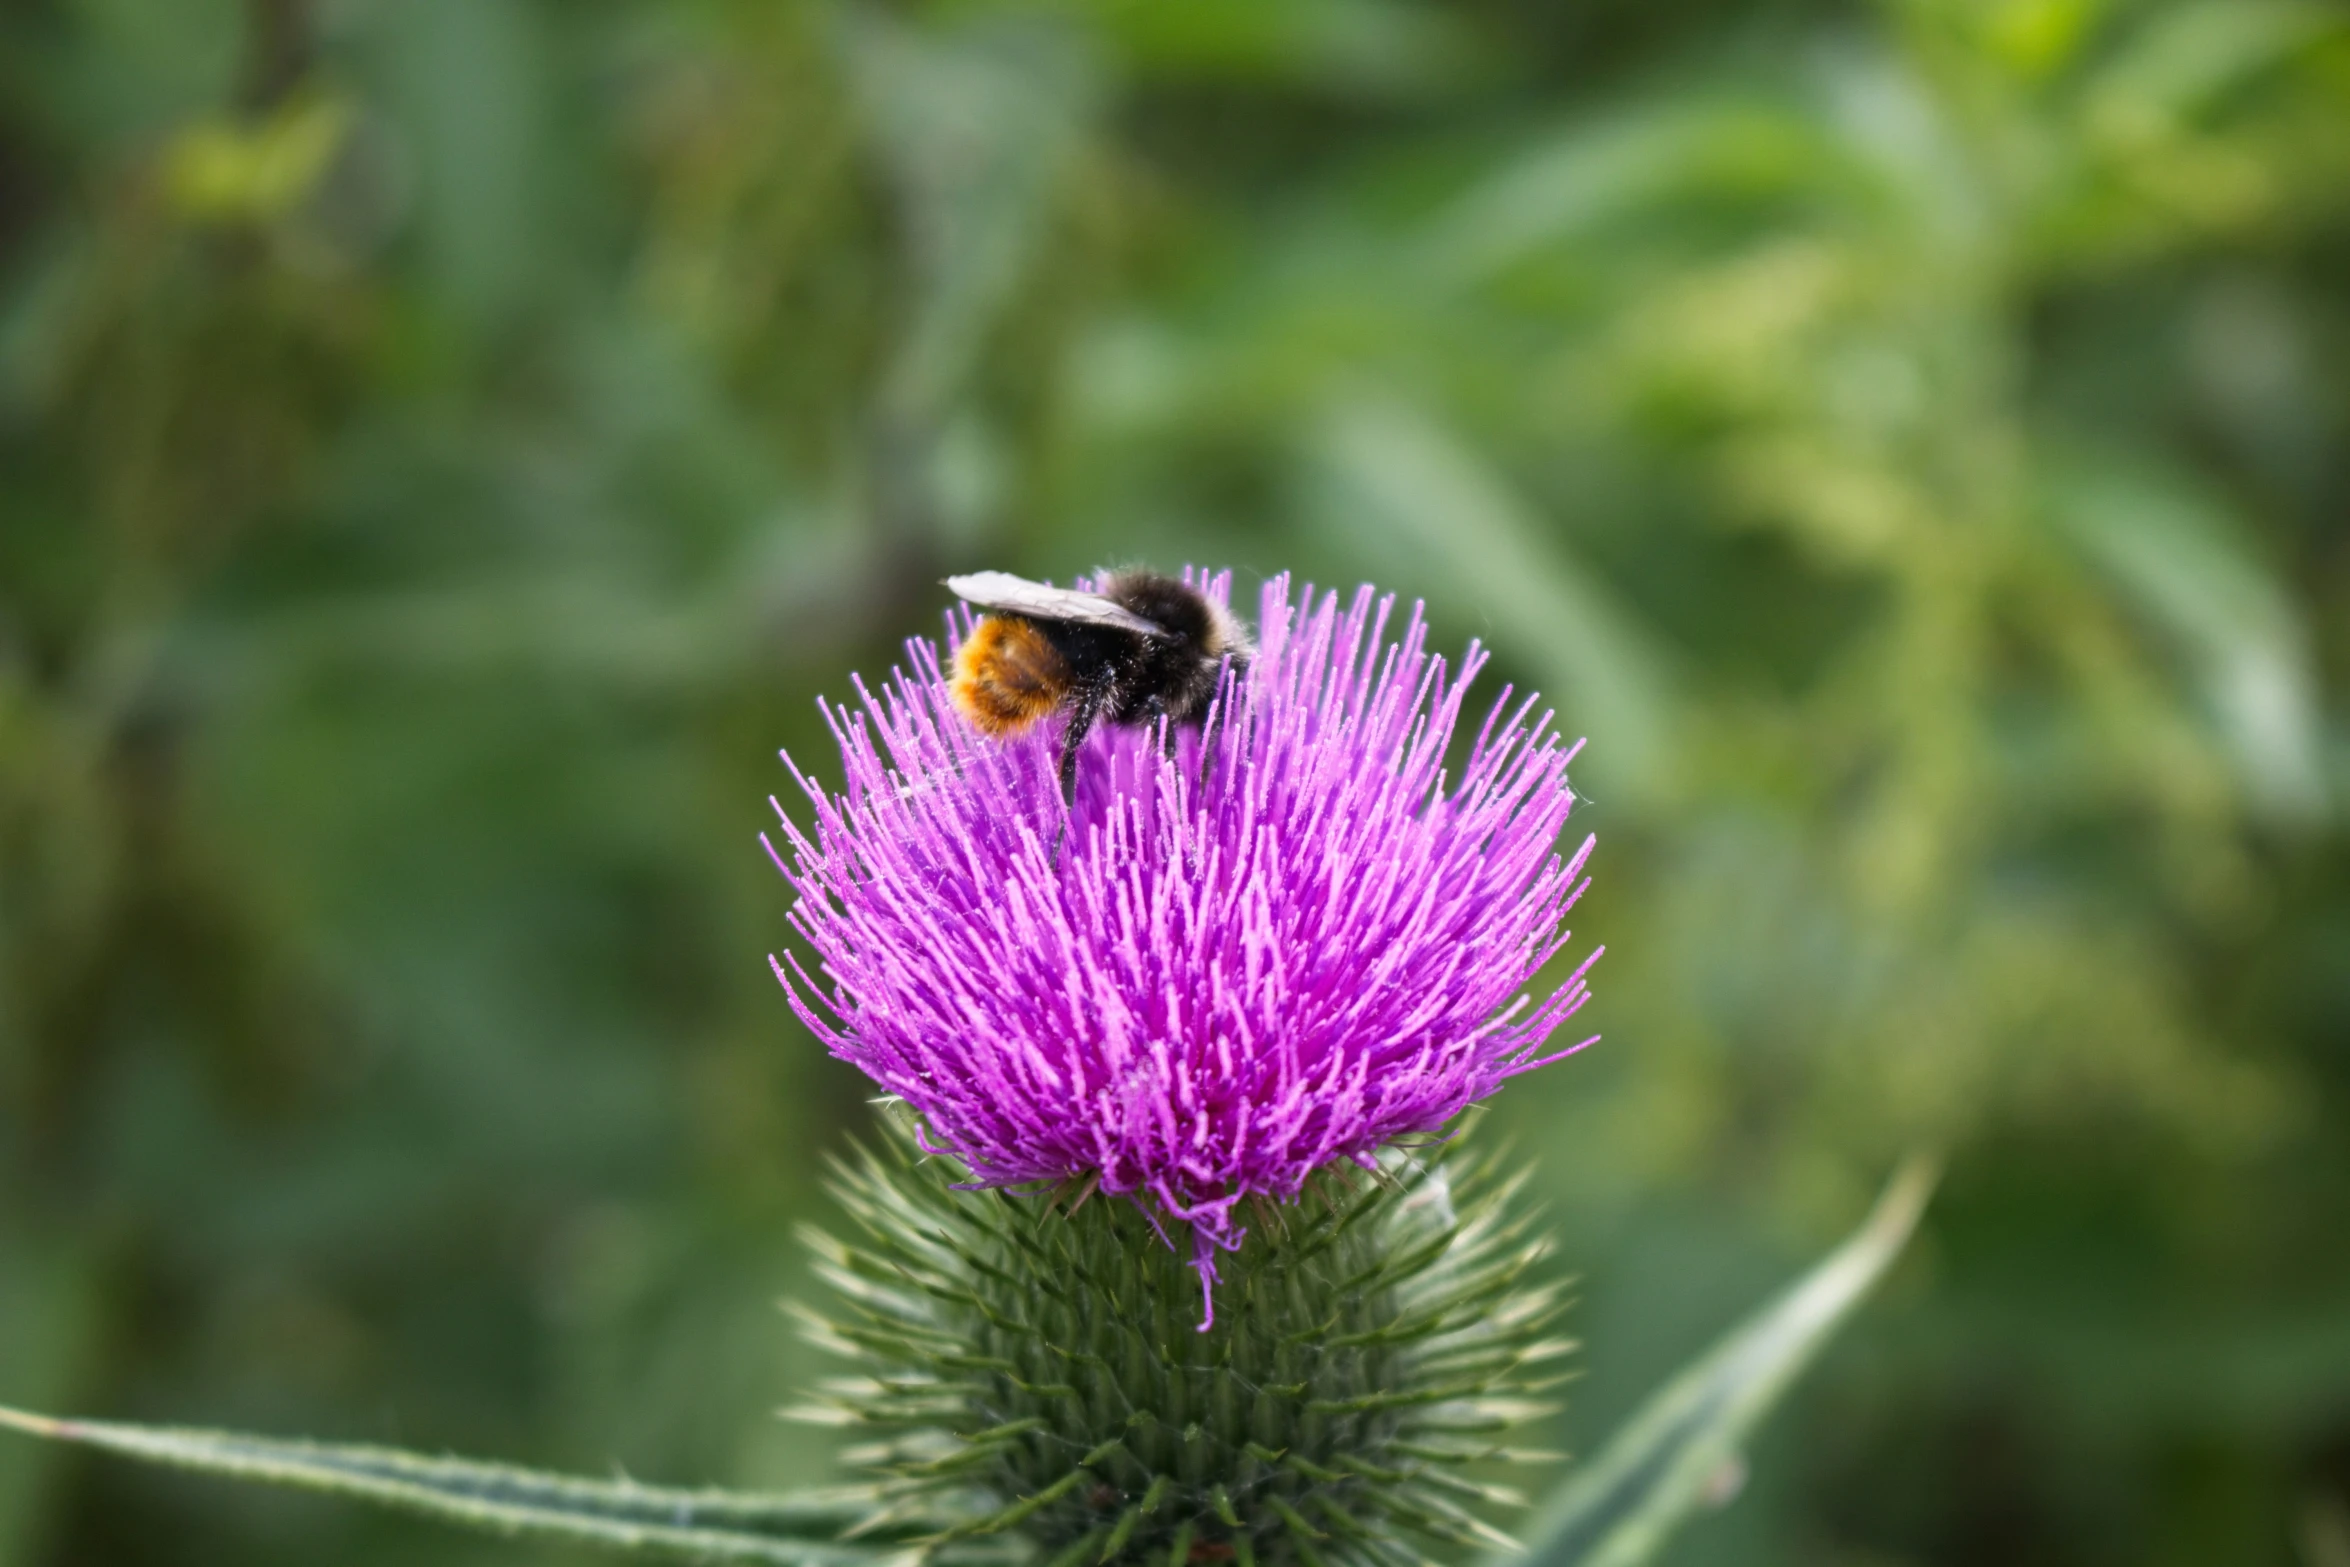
[1000, 590]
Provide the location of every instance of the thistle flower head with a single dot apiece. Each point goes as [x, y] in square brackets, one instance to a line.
[1282, 940]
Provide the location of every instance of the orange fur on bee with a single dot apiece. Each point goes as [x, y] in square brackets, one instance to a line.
[1007, 676]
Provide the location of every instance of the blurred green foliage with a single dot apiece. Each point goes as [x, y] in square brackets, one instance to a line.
[445, 445]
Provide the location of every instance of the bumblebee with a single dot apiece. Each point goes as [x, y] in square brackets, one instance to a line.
[1146, 649]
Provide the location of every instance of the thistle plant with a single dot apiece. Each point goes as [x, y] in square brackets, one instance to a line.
[1269, 951]
[1172, 1249]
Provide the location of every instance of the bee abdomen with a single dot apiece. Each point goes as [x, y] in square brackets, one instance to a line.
[1008, 675]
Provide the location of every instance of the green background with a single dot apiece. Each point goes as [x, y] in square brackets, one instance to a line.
[447, 445]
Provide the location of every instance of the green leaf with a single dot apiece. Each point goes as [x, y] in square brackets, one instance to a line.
[797, 1529]
[1366, 50]
[1712, 149]
[1676, 1451]
[2192, 58]
[1395, 477]
[982, 131]
[2182, 555]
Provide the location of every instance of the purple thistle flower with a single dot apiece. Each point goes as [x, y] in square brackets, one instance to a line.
[1288, 943]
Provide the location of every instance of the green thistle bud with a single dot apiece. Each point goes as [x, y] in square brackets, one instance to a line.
[1034, 1364]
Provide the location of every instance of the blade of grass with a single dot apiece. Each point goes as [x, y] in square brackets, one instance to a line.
[794, 1529]
[1669, 1458]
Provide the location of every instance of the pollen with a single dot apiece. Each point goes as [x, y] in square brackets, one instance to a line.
[1007, 676]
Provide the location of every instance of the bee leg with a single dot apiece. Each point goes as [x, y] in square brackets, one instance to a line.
[1082, 713]
[1081, 716]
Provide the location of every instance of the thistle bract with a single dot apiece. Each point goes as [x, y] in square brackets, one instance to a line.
[1036, 1370]
[1268, 945]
